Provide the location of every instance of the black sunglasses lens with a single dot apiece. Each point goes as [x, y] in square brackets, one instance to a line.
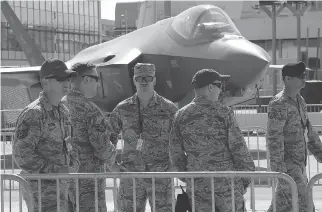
[144, 79]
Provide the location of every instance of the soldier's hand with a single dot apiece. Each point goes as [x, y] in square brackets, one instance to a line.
[64, 169]
[115, 168]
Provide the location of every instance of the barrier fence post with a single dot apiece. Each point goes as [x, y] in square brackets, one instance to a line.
[310, 191]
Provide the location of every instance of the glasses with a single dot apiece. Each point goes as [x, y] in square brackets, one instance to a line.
[59, 79]
[144, 79]
[219, 85]
[93, 77]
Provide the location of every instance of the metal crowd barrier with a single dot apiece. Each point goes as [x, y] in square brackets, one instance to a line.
[310, 191]
[22, 183]
[153, 175]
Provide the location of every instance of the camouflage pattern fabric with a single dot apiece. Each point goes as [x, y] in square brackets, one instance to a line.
[287, 147]
[38, 148]
[154, 157]
[92, 137]
[205, 137]
[143, 192]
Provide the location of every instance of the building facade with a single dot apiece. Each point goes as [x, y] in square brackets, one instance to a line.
[107, 29]
[256, 26]
[59, 28]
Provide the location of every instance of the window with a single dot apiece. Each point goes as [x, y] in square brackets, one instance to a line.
[24, 16]
[86, 6]
[66, 45]
[71, 21]
[30, 17]
[4, 38]
[76, 7]
[17, 3]
[30, 4]
[71, 7]
[86, 24]
[49, 19]
[42, 5]
[36, 17]
[76, 23]
[65, 6]
[81, 7]
[43, 17]
[60, 20]
[60, 6]
[96, 24]
[91, 8]
[48, 5]
[96, 8]
[82, 23]
[92, 24]
[54, 6]
[23, 3]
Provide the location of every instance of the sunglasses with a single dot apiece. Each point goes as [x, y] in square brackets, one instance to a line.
[93, 77]
[144, 79]
[219, 85]
[59, 79]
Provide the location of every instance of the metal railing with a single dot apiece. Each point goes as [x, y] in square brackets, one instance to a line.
[22, 183]
[187, 175]
[310, 191]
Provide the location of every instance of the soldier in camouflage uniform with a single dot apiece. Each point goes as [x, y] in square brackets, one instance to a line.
[206, 137]
[43, 140]
[91, 136]
[287, 121]
[144, 120]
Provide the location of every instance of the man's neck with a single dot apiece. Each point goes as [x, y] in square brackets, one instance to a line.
[291, 92]
[52, 99]
[145, 97]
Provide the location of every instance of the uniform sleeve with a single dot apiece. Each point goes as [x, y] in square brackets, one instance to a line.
[99, 136]
[277, 115]
[176, 147]
[26, 138]
[115, 124]
[173, 110]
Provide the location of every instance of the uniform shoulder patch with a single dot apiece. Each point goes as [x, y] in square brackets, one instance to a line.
[22, 130]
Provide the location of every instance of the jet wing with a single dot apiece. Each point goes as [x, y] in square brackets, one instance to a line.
[22, 77]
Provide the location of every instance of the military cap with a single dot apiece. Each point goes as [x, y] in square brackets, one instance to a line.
[205, 77]
[54, 68]
[293, 69]
[144, 69]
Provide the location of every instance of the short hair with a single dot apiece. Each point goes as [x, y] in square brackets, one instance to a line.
[80, 67]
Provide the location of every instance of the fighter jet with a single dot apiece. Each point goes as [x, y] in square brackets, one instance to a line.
[200, 37]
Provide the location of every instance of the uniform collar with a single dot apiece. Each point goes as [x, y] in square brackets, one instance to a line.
[45, 101]
[75, 93]
[156, 99]
[203, 99]
[286, 93]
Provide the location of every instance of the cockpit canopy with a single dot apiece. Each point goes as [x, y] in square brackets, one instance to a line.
[204, 22]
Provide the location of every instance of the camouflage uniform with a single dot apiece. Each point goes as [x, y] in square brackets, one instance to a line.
[39, 149]
[205, 137]
[92, 139]
[157, 118]
[287, 147]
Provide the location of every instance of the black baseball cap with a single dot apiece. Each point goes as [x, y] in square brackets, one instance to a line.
[293, 69]
[54, 68]
[205, 77]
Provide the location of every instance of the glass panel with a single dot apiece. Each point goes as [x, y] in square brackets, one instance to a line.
[81, 7]
[43, 41]
[23, 3]
[71, 43]
[43, 17]
[86, 24]
[16, 3]
[77, 43]
[37, 39]
[30, 4]
[42, 5]
[24, 17]
[36, 17]
[66, 45]
[65, 6]
[76, 22]
[71, 7]
[91, 8]
[48, 5]
[60, 6]
[50, 41]
[18, 12]
[92, 40]
[92, 24]
[30, 17]
[86, 41]
[76, 7]
[49, 18]
[4, 38]
[54, 6]
[96, 8]
[82, 23]
[60, 20]
[86, 8]
[71, 22]
[96, 24]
